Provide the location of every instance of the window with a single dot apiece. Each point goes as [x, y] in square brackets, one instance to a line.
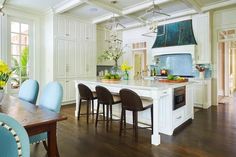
[19, 53]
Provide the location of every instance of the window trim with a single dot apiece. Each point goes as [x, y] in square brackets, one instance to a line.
[31, 47]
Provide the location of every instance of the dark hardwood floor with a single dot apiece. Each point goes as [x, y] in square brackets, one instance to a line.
[211, 134]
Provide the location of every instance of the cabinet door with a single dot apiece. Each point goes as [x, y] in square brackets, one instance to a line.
[72, 60]
[81, 62]
[61, 26]
[201, 29]
[71, 29]
[189, 102]
[199, 94]
[60, 58]
[90, 54]
[71, 89]
[65, 91]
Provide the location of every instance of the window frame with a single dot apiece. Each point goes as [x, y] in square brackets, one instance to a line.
[30, 47]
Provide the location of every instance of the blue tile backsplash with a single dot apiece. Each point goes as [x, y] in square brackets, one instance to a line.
[179, 64]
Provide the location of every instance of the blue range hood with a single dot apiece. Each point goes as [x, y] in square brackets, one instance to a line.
[175, 34]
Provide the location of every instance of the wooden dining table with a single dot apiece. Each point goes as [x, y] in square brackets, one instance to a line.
[35, 119]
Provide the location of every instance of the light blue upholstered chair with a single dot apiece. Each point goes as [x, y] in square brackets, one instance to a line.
[51, 98]
[14, 140]
[29, 91]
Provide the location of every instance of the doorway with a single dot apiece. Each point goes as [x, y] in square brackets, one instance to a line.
[226, 65]
[139, 58]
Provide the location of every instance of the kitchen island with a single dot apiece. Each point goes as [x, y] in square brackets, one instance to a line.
[165, 117]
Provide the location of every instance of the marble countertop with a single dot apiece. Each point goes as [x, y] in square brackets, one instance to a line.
[142, 84]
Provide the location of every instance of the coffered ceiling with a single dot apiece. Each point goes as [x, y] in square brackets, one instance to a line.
[129, 11]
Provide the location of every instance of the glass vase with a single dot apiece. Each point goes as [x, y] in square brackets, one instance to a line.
[126, 75]
[1, 95]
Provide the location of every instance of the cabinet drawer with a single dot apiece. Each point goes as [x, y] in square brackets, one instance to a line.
[178, 116]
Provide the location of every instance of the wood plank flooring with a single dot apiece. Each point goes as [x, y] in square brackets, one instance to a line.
[211, 134]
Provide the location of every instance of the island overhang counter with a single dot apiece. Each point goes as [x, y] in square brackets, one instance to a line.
[165, 118]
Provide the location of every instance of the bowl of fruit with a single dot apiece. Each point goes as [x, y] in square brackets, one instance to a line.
[174, 79]
[111, 78]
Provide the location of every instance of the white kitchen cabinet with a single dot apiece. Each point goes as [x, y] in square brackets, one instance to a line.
[202, 33]
[64, 27]
[202, 93]
[68, 86]
[189, 113]
[70, 53]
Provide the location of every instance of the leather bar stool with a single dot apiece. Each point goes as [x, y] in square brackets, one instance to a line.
[105, 98]
[131, 101]
[87, 95]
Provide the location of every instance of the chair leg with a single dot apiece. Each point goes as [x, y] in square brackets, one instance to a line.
[96, 123]
[92, 107]
[125, 119]
[121, 121]
[79, 108]
[135, 121]
[111, 113]
[88, 102]
[107, 124]
[45, 145]
[152, 118]
[103, 108]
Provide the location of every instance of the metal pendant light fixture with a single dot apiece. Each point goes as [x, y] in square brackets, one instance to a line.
[150, 17]
[1, 8]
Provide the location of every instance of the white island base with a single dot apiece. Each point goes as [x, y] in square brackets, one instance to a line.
[165, 119]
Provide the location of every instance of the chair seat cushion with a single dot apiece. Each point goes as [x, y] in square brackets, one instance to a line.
[38, 138]
[116, 99]
[147, 103]
[94, 95]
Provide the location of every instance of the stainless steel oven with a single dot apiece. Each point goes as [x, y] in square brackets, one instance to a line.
[179, 97]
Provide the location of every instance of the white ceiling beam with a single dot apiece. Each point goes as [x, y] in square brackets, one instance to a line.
[104, 18]
[218, 5]
[179, 16]
[67, 5]
[193, 5]
[142, 6]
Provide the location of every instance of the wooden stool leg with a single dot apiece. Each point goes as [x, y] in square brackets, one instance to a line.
[125, 119]
[111, 113]
[135, 121]
[88, 103]
[121, 120]
[96, 123]
[79, 108]
[107, 116]
[152, 118]
[103, 107]
[93, 107]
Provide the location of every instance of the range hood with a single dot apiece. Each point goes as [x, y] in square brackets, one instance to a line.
[175, 34]
[175, 38]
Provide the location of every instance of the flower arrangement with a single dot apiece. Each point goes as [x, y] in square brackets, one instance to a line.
[5, 73]
[200, 68]
[125, 68]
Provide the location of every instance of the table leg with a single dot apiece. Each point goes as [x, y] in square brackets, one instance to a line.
[52, 141]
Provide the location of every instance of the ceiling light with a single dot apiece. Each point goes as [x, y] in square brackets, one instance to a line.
[1, 8]
[150, 17]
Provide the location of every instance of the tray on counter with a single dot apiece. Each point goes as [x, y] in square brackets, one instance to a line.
[172, 81]
[110, 80]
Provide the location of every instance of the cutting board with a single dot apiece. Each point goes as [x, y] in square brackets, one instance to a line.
[172, 81]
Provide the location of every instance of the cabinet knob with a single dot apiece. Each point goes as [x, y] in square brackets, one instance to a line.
[67, 34]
